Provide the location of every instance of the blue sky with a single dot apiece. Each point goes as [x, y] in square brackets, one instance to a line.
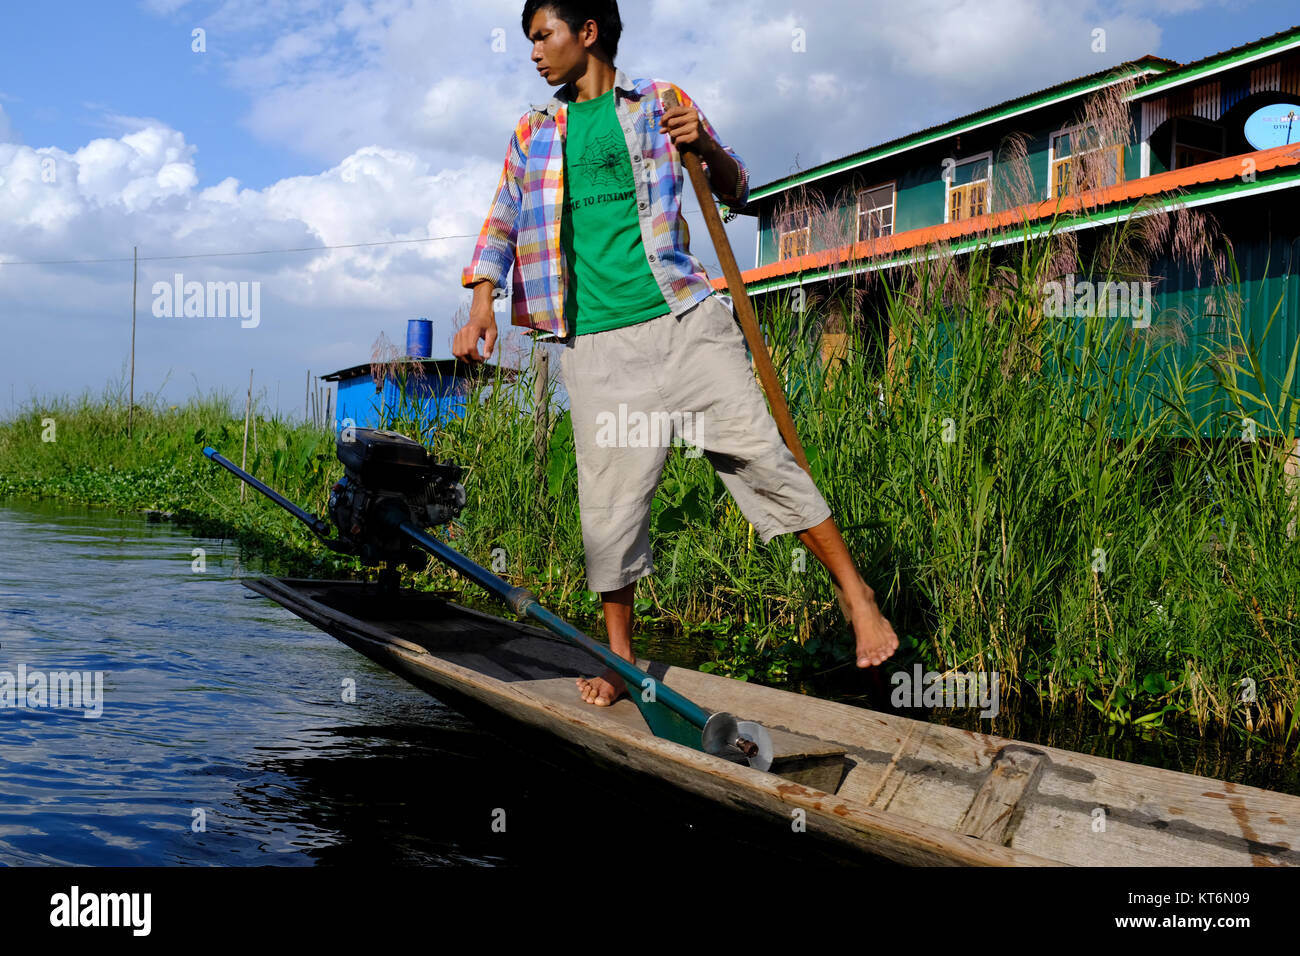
[310, 122]
[69, 67]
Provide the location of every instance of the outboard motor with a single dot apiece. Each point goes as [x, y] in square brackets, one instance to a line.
[392, 489]
[387, 479]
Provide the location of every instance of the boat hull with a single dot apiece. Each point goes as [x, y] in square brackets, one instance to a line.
[869, 783]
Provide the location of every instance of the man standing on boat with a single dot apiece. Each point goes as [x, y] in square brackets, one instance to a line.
[611, 276]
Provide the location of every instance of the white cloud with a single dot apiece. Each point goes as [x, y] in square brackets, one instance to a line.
[320, 309]
[402, 111]
[329, 77]
[145, 183]
[424, 77]
[136, 170]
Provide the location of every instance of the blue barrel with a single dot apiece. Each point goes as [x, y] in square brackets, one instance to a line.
[419, 338]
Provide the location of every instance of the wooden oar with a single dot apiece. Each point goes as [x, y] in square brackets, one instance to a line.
[748, 320]
[739, 297]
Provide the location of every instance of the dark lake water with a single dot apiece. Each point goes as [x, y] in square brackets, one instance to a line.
[224, 737]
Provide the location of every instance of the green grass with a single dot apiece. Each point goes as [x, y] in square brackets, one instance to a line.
[1032, 496]
[77, 449]
[1045, 497]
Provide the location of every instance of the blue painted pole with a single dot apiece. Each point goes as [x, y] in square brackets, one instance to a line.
[524, 602]
[666, 712]
[321, 528]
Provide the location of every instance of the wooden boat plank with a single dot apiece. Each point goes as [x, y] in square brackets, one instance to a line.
[886, 835]
[1212, 821]
[516, 652]
[996, 809]
[941, 768]
[891, 836]
[894, 762]
[1169, 844]
[560, 690]
[800, 759]
[944, 788]
[906, 782]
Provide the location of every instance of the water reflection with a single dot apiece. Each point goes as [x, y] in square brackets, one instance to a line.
[225, 738]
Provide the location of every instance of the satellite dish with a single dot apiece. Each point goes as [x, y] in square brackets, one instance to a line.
[1275, 125]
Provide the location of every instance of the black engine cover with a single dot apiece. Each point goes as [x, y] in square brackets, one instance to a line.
[389, 479]
[386, 460]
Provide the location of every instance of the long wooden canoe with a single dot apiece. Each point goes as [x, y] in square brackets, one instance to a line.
[885, 786]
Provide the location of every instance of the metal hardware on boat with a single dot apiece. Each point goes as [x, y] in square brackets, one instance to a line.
[725, 736]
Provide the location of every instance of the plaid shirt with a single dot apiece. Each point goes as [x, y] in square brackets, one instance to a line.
[523, 228]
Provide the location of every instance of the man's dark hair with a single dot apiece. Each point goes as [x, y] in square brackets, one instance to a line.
[577, 12]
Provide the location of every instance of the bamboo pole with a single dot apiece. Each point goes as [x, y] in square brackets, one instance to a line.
[135, 278]
[740, 298]
[542, 360]
[248, 405]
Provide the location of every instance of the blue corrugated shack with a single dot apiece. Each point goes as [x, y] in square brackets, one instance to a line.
[435, 387]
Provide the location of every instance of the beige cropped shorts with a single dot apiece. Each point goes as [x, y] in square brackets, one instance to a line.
[635, 389]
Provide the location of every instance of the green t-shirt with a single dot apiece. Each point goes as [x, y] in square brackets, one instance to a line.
[610, 284]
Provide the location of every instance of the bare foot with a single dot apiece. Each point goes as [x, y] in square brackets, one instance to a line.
[603, 690]
[876, 640]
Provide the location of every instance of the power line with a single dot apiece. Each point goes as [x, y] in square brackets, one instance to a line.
[213, 255]
[256, 252]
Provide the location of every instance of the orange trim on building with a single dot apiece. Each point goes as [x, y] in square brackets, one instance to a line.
[1218, 170]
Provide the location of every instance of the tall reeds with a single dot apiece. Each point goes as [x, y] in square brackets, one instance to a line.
[1101, 511]
[1049, 496]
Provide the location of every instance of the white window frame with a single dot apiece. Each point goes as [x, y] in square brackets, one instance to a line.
[948, 187]
[780, 236]
[893, 207]
[1051, 156]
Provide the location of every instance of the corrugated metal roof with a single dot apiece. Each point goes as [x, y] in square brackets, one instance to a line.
[1167, 70]
[440, 367]
[1146, 64]
[1219, 170]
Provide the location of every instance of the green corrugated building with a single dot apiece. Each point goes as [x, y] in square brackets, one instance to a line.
[1219, 135]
